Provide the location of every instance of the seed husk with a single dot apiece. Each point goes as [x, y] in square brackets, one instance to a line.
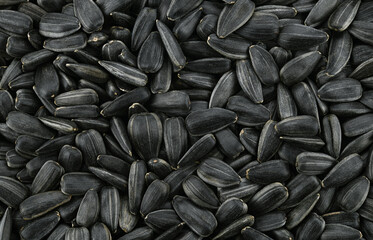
[269, 172]
[343, 15]
[58, 25]
[47, 178]
[154, 197]
[40, 227]
[233, 47]
[77, 183]
[312, 163]
[92, 21]
[89, 209]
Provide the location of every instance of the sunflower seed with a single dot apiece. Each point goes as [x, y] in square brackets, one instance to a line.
[12, 192]
[235, 227]
[115, 179]
[177, 9]
[268, 134]
[352, 196]
[15, 22]
[57, 25]
[91, 144]
[66, 44]
[300, 212]
[40, 227]
[6, 224]
[90, 22]
[248, 232]
[77, 233]
[270, 221]
[269, 172]
[47, 178]
[311, 163]
[155, 195]
[77, 183]
[233, 46]
[343, 15]
[333, 231]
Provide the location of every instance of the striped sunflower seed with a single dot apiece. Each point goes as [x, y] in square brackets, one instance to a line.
[100, 231]
[265, 152]
[233, 46]
[40, 227]
[352, 196]
[343, 15]
[91, 144]
[261, 26]
[311, 228]
[78, 183]
[269, 172]
[58, 25]
[312, 163]
[66, 44]
[12, 192]
[177, 8]
[136, 185]
[270, 221]
[92, 21]
[341, 90]
[155, 195]
[47, 178]
[89, 209]
[110, 208]
[333, 231]
[300, 212]
[75, 233]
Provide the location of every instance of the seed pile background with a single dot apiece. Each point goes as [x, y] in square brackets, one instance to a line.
[186, 119]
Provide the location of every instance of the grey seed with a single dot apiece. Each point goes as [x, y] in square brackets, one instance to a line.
[264, 65]
[197, 94]
[320, 12]
[233, 47]
[363, 70]
[138, 95]
[12, 192]
[110, 207]
[175, 138]
[125, 73]
[249, 113]
[57, 25]
[89, 15]
[297, 69]
[211, 120]
[177, 8]
[312, 163]
[70, 158]
[25, 80]
[265, 152]
[302, 125]
[8, 133]
[75, 233]
[33, 59]
[311, 228]
[127, 221]
[39, 204]
[142, 27]
[201, 221]
[198, 150]
[143, 233]
[324, 109]
[121, 33]
[26, 145]
[24, 123]
[300, 212]
[366, 228]
[350, 109]
[269, 172]
[235, 227]
[281, 233]
[278, 10]
[87, 71]
[357, 126]
[268, 198]
[6, 225]
[47, 178]
[18, 46]
[351, 219]
[225, 87]
[200, 193]
[301, 187]
[97, 39]
[185, 27]
[249, 138]
[115, 149]
[118, 129]
[100, 231]
[360, 53]
[175, 178]
[77, 183]
[115, 179]
[344, 171]
[150, 57]
[280, 55]
[61, 125]
[366, 209]
[217, 173]
[91, 144]
[339, 53]
[67, 44]
[199, 49]
[114, 164]
[155, 196]
[325, 201]
[207, 26]
[77, 97]
[261, 26]
[341, 90]
[298, 37]
[366, 99]
[15, 22]
[343, 15]
[336, 231]
[33, 166]
[11, 72]
[89, 209]
[46, 81]
[145, 126]
[367, 82]
[136, 185]
[229, 210]
[110, 6]
[171, 45]
[55, 144]
[270, 221]
[13, 160]
[7, 104]
[162, 80]
[35, 39]
[60, 64]
[59, 232]
[111, 51]
[162, 219]
[24, 177]
[251, 233]
[11, 2]
[352, 196]
[26, 101]
[40, 227]
[228, 143]
[68, 9]
[198, 80]
[230, 19]
[249, 81]
[286, 105]
[172, 102]
[362, 30]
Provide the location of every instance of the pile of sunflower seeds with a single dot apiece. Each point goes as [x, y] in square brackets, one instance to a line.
[186, 119]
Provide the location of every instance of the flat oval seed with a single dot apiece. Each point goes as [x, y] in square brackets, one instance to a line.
[155, 196]
[343, 16]
[268, 134]
[40, 227]
[47, 178]
[352, 196]
[333, 231]
[341, 90]
[302, 125]
[89, 209]
[312, 163]
[12, 192]
[89, 15]
[136, 185]
[110, 207]
[57, 25]
[269, 172]
[249, 81]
